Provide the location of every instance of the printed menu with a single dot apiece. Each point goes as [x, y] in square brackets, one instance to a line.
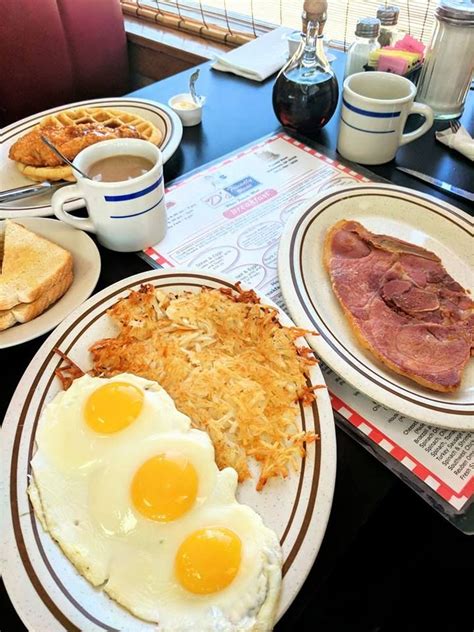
[228, 218]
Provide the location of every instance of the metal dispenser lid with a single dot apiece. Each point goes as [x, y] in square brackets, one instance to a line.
[388, 15]
[459, 12]
[367, 27]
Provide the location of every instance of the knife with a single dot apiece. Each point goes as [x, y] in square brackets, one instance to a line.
[440, 184]
[30, 190]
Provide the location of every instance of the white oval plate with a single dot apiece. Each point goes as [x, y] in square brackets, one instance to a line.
[163, 117]
[306, 287]
[45, 588]
[86, 272]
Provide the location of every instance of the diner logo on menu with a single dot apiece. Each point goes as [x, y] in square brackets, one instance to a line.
[241, 186]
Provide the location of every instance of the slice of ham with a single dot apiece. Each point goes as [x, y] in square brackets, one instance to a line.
[401, 304]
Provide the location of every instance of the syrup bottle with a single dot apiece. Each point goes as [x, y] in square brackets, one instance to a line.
[305, 93]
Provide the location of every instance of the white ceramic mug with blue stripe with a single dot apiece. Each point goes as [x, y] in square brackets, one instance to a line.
[375, 107]
[126, 216]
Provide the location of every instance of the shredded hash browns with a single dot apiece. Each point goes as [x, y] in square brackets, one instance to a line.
[228, 364]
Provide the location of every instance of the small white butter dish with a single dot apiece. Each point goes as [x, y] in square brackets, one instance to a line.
[188, 111]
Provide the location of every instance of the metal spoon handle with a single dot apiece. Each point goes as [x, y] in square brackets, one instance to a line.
[54, 149]
[192, 86]
[28, 191]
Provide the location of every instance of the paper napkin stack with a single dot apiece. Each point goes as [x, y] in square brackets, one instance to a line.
[460, 140]
[258, 59]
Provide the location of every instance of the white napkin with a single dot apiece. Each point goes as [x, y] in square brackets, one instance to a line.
[258, 59]
[460, 140]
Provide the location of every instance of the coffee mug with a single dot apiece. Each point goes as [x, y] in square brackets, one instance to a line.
[126, 216]
[375, 107]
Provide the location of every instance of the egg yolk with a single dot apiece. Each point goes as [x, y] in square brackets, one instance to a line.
[164, 487]
[208, 560]
[113, 407]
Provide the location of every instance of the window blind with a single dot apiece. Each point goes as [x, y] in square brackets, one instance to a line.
[237, 21]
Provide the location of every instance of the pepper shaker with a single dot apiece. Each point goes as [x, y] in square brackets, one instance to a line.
[388, 16]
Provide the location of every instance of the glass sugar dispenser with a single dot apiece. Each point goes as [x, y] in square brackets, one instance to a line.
[449, 63]
[305, 92]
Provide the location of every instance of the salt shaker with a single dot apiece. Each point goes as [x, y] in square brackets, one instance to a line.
[388, 16]
[367, 31]
[449, 63]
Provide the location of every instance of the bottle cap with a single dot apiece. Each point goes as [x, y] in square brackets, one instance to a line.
[367, 27]
[456, 12]
[388, 15]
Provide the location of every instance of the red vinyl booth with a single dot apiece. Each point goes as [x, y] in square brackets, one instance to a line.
[53, 52]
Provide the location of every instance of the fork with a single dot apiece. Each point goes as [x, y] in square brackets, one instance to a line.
[455, 126]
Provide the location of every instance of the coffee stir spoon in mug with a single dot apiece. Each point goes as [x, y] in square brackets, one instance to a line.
[54, 149]
[127, 215]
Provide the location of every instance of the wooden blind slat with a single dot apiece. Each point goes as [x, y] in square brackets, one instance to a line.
[237, 21]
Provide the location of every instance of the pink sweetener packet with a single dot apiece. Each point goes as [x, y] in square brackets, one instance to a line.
[397, 65]
[410, 44]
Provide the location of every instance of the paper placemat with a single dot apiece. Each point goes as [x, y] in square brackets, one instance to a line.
[228, 217]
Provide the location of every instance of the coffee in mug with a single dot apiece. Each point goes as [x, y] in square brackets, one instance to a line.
[127, 214]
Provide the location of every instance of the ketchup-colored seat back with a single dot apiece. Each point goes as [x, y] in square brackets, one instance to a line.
[54, 52]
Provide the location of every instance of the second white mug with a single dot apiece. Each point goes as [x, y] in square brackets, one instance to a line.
[375, 107]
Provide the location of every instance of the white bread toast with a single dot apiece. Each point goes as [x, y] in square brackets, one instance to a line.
[7, 319]
[25, 312]
[31, 266]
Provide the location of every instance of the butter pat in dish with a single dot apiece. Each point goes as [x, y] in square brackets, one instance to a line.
[188, 111]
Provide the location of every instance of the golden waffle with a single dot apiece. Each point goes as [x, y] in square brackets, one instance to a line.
[109, 118]
[105, 116]
[40, 174]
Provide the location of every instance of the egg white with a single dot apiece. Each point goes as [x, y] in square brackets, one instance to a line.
[81, 489]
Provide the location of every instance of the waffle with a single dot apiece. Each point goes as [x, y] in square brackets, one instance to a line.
[108, 117]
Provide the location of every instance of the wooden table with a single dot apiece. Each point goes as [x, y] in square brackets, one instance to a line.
[388, 561]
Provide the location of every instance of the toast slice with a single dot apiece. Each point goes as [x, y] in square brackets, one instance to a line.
[31, 266]
[7, 319]
[25, 312]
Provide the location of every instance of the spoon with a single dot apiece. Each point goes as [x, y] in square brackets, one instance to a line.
[54, 149]
[192, 87]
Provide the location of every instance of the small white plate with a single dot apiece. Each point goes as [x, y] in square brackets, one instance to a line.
[48, 593]
[86, 272]
[163, 117]
[306, 287]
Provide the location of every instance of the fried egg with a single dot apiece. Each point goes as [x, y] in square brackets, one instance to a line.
[132, 495]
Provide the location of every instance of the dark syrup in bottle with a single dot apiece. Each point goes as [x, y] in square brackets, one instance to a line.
[305, 106]
[305, 93]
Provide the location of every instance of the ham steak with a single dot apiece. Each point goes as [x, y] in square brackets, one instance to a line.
[401, 304]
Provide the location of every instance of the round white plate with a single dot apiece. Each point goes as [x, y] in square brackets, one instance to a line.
[163, 117]
[86, 272]
[45, 588]
[306, 287]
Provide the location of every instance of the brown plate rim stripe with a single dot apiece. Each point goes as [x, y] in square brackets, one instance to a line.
[328, 340]
[324, 323]
[312, 498]
[145, 106]
[27, 565]
[168, 123]
[13, 475]
[34, 526]
[300, 482]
